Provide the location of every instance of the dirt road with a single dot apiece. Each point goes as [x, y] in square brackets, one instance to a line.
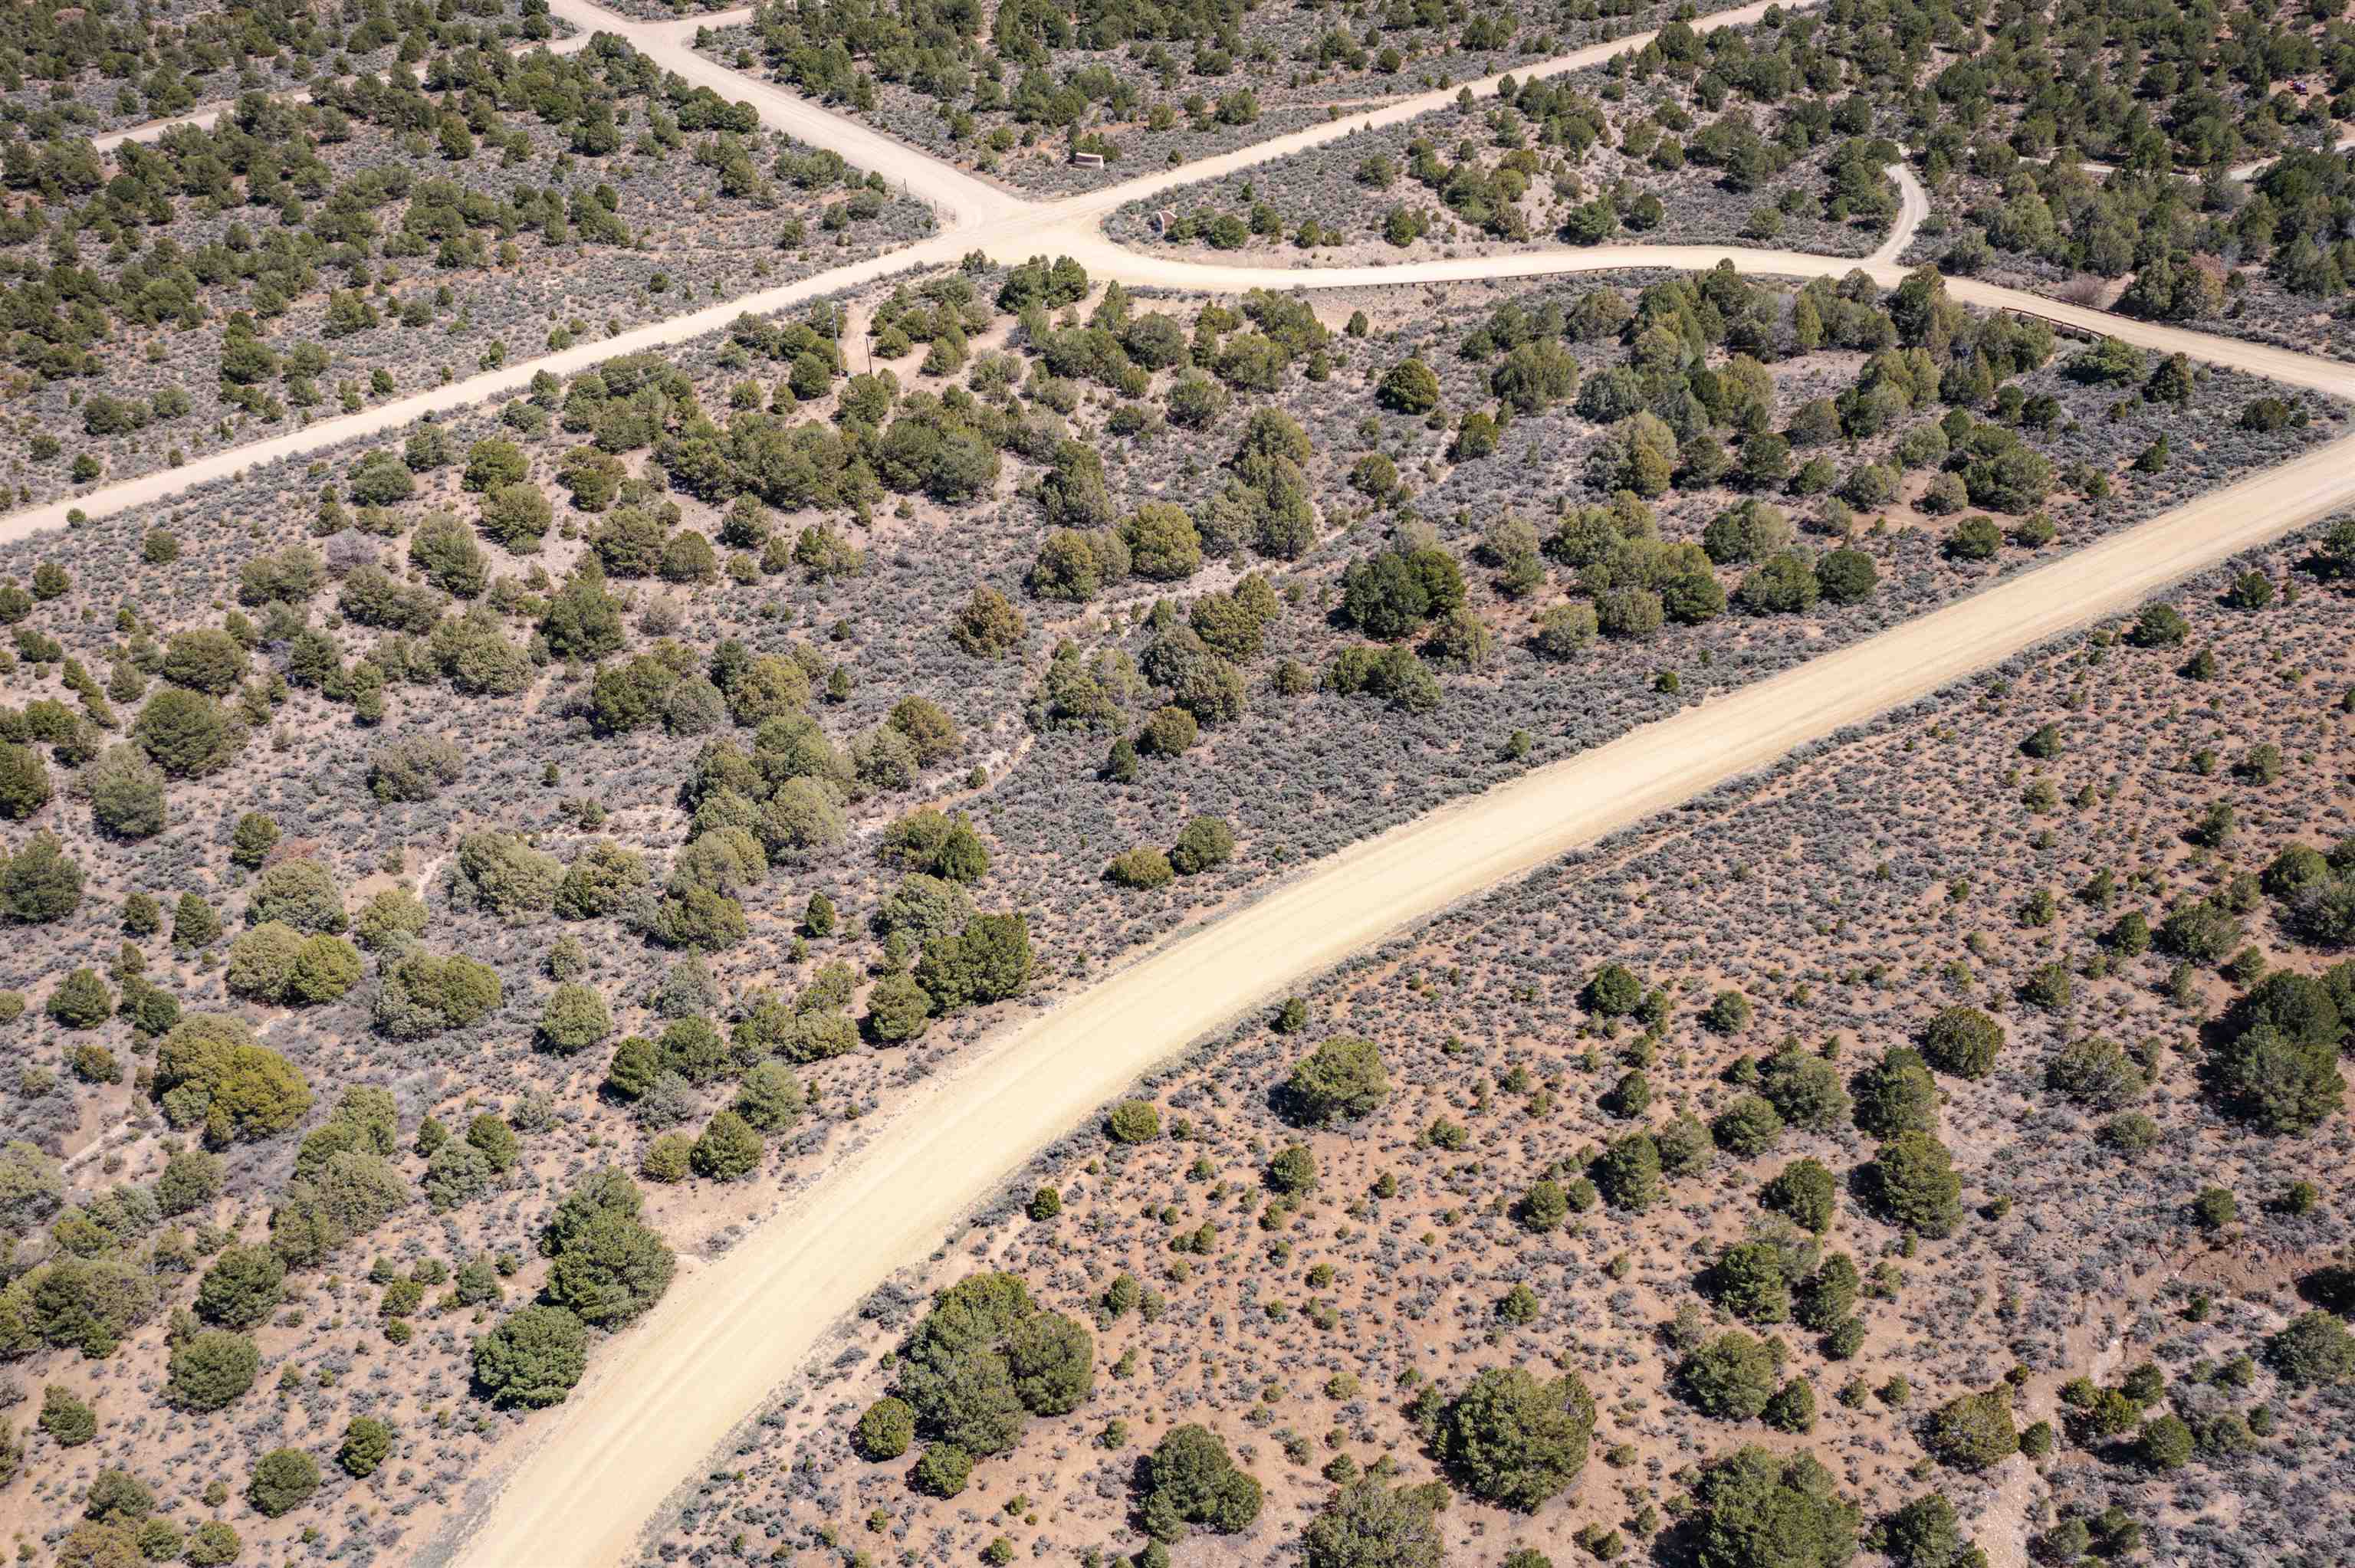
[667, 1393]
[976, 215]
[973, 213]
[1913, 207]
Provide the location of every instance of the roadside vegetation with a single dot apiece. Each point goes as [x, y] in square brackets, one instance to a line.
[1702, 1194]
[1056, 102]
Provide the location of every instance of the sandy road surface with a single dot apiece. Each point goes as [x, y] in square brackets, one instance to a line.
[959, 198]
[665, 1393]
[1913, 207]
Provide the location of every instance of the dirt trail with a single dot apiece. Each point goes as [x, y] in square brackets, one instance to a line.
[1913, 207]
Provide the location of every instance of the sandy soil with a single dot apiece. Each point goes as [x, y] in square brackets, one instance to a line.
[673, 1387]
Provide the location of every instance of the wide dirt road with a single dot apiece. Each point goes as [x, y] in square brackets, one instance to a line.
[667, 1393]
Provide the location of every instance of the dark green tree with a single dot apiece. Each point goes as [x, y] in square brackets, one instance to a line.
[1963, 1040]
[1515, 1441]
[282, 1481]
[1731, 1377]
[212, 1369]
[1370, 1525]
[1341, 1080]
[1912, 1184]
[533, 1359]
[1754, 1509]
[1191, 1479]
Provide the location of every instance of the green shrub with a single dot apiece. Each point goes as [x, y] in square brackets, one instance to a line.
[1895, 1095]
[1913, 1184]
[2314, 1350]
[1342, 1080]
[284, 1480]
[1974, 1431]
[1192, 1480]
[209, 1072]
[533, 1359]
[366, 1444]
[211, 1370]
[40, 882]
[986, 1359]
[1804, 1191]
[69, 1422]
[609, 1268]
[1512, 1440]
[241, 1288]
[1627, 1174]
[1754, 1509]
[573, 1019]
[1134, 1121]
[81, 1001]
[943, 1470]
[1964, 1042]
[212, 1545]
[886, 1430]
[300, 893]
[1368, 1525]
[727, 1150]
[1142, 868]
[1204, 843]
[1731, 1377]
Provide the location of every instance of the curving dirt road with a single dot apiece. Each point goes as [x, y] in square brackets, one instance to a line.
[2240, 174]
[1913, 207]
[667, 1393]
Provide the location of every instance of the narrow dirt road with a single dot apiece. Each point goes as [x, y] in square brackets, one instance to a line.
[1913, 207]
[2240, 173]
[958, 198]
[668, 1392]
